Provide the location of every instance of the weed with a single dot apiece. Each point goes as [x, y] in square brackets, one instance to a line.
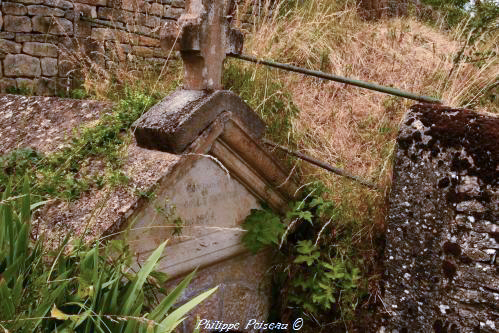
[62, 173]
[316, 278]
[77, 287]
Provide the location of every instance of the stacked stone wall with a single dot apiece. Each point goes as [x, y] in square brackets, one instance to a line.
[42, 42]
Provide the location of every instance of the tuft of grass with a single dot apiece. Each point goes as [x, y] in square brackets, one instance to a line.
[266, 95]
[77, 287]
[65, 173]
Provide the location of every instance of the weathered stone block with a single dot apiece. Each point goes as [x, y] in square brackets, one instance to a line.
[44, 11]
[49, 66]
[94, 2]
[21, 65]
[30, 2]
[46, 86]
[84, 28]
[10, 46]
[60, 41]
[103, 34]
[173, 11]
[1, 71]
[27, 84]
[142, 51]
[175, 122]
[146, 41]
[133, 5]
[12, 8]
[17, 23]
[86, 10]
[156, 9]
[52, 25]
[6, 83]
[440, 269]
[7, 35]
[178, 3]
[40, 49]
[106, 13]
[59, 4]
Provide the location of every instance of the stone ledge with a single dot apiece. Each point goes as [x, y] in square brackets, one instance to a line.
[177, 121]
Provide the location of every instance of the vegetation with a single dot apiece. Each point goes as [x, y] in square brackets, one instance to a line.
[351, 128]
[330, 241]
[62, 173]
[78, 287]
[312, 275]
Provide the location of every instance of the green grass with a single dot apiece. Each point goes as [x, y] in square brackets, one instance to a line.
[265, 94]
[61, 174]
[78, 287]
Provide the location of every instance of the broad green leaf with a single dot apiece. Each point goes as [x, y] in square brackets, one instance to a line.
[160, 311]
[141, 277]
[176, 317]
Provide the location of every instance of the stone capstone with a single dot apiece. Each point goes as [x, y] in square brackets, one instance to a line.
[441, 272]
[176, 122]
[21, 65]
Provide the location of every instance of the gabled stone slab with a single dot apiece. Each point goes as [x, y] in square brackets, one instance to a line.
[220, 172]
[179, 119]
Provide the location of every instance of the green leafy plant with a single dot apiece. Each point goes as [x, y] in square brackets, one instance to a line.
[77, 287]
[316, 277]
[263, 227]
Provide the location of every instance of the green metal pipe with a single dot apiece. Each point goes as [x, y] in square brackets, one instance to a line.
[327, 76]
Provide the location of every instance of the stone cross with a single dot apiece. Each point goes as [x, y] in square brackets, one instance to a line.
[203, 36]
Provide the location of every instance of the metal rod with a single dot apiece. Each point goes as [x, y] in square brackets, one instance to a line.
[327, 76]
[323, 165]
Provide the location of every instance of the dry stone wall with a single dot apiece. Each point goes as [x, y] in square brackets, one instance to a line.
[42, 42]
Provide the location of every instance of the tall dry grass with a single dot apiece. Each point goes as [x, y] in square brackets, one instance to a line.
[352, 127]
[105, 68]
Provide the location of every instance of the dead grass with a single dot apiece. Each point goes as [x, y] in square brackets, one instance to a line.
[106, 68]
[353, 127]
[356, 128]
